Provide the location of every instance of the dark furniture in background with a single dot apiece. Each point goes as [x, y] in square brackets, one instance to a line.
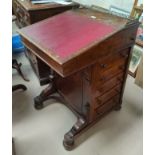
[91, 67]
[16, 65]
[27, 14]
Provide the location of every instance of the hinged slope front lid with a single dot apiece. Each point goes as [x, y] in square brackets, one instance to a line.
[67, 35]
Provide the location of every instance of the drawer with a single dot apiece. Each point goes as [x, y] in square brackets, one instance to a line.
[107, 106]
[102, 78]
[100, 100]
[107, 62]
[112, 72]
[103, 88]
[107, 68]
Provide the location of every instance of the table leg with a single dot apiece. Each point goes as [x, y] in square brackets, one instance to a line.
[17, 66]
[68, 141]
[45, 94]
[18, 86]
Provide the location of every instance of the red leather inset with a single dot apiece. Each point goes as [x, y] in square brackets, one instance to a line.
[66, 34]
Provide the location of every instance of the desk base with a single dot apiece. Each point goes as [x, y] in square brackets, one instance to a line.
[46, 94]
[83, 122]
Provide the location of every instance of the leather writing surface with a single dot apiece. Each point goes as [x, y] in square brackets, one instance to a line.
[65, 35]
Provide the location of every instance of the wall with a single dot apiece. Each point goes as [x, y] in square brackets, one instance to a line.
[124, 4]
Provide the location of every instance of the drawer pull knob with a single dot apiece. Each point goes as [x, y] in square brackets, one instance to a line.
[103, 65]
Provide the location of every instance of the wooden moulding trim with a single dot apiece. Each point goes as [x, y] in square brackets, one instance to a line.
[50, 62]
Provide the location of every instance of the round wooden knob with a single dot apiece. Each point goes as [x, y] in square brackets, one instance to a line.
[103, 65]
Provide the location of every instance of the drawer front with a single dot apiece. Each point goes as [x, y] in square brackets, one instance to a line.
[111, 60]
[103, 88]
[107, 68]
[102, 99]
[113, 71]
[103, 77]
[107, 106]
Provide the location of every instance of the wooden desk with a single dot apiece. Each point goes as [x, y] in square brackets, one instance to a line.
[27, 14]
[89, 52]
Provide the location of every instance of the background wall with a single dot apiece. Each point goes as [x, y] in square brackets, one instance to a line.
[123, 4]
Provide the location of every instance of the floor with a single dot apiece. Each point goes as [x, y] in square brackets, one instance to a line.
[41, 132]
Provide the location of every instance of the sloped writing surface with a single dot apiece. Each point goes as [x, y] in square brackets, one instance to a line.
[66, 34]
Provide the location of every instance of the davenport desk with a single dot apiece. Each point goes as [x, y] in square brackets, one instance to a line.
[89, 53]
[27, 14]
